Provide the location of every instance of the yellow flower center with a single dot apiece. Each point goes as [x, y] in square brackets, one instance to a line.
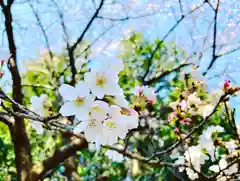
[111, 124]
[47, 105]
[79, 100]
[91, 123]
[100, 81]
[96, 108]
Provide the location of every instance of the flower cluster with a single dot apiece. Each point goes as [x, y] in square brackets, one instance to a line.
[102, 122]
[193, 104]
[196, 156]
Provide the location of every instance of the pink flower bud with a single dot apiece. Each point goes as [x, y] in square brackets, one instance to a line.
[227, 84]
[186, 121]
[217, 142]
[176, 130]
[2, 62]
[140, 90]
[1, 74]
[152, 100]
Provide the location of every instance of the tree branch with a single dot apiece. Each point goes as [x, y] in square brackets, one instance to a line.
[214, 56]
[79, 40]
[164, 38]
[39, 170]
[18, 132]
[47, 44]
[197, 127]
[167, 72]
[6, 119]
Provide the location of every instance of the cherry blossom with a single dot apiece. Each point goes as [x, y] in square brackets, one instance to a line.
[113, 126]
[191, 174]
[78, 100]
[195, 156]
[222, 166]
[93, 127]
[180, 161]
[205, 140]
[115, 156]
[102, 81]
[38, 105]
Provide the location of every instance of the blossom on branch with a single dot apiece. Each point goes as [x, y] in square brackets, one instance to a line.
[40, 106]
[78, 100]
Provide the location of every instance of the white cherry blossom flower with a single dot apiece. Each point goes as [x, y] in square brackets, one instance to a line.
[195, 156]
[130, 121]
[99, 110]
[102, 81]
[191, 174]
[113, 126]
[231, 170]
[180, 161]
[205, 110]
[120, 99]
[222, 166]
[205, 140]
[193, 99]
[93, 127]
[78, 100]
[38, 106]
[231, 146]
[115, 156]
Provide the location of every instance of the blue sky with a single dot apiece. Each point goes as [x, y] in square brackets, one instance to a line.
[191, 34]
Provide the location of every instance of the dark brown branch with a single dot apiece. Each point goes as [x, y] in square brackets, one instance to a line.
[164, 38]
[87, 48]
[165, 73]
[79, 40]
[39, 170]
[180, 5]
[141, 158]
[6, 119]
[214, 55]
[18, 132]
[64, 28]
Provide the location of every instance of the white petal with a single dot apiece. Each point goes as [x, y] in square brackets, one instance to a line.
[98, 143]
[68, 92]
[89, 77]
[97, 91]
[34, 99]
[38, 127]
[82, 114]
[82, 89]
[80, 127]
[115, 111]
[89, 101]
[43, 98]
[68, 109]
[214, 168]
